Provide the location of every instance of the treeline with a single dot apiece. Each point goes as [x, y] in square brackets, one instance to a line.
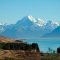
[19, 46]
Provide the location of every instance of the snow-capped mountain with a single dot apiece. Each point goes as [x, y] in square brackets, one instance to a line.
[28, 27]
[50, 26]
[32, 20]
[40, 22]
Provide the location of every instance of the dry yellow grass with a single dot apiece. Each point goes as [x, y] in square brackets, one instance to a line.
[6, 40]
[17, 54]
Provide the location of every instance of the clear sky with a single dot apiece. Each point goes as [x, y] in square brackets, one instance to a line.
[13, 10]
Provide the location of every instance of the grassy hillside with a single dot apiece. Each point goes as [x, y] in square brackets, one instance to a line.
[25, 52]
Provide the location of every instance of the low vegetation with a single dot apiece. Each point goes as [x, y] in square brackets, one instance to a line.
[19, 50]
[51, 55]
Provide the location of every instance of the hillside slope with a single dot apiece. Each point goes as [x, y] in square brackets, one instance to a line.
[28, 54]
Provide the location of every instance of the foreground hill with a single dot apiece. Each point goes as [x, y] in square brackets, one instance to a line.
[7, 40]
[18, 50]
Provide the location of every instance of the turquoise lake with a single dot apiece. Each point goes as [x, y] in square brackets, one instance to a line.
[45, 43]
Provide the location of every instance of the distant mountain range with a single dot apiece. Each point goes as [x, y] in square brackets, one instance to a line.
[29, 27]
[54, 33]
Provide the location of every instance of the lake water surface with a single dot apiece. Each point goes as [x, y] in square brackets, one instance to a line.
[45, 43]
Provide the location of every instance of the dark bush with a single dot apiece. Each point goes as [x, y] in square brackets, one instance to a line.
[2, 45]
[35, 46]
[58, 50]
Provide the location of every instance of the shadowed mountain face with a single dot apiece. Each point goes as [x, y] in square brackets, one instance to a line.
[28, 27]
[54, 33]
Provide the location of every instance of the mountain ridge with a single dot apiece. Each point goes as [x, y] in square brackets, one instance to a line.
[28, 27]
[55, 33]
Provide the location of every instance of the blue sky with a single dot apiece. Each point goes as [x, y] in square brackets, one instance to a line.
[13, 10]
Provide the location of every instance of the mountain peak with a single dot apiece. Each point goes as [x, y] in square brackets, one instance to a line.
[26, 21]
[31, 18]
